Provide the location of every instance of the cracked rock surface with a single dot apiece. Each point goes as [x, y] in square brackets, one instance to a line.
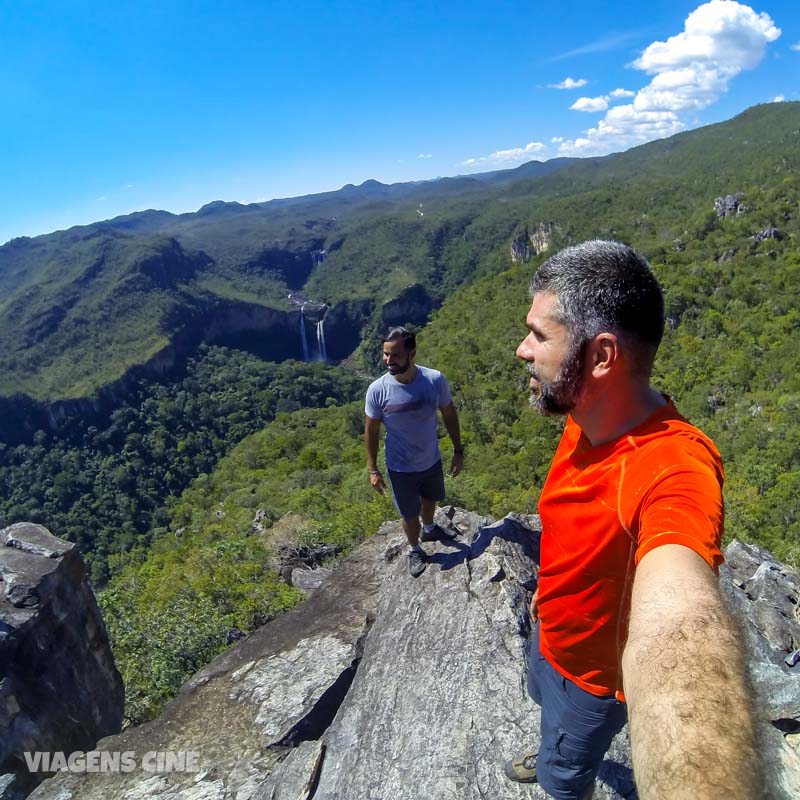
[59, 687]
[385, 687]
[258, 701]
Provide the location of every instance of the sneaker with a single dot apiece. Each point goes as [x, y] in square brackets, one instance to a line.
[522, 769]
[417, 561]
[437, 534]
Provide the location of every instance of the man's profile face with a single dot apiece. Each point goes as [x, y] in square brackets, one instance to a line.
[396, 358]
[556, 369]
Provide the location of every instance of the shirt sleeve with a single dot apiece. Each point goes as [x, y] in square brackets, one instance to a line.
[685, 507]
[372, 407]
[443, 392]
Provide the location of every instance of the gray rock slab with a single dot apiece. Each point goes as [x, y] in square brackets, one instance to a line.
[306, 580]
[258, 702]
[439, 701]
[383, 687]
[34, 539]
[59, 688]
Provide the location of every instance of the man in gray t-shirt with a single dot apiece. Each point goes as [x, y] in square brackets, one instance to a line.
[406, 400]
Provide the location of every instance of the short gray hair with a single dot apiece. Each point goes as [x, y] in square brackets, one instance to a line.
[605, 286]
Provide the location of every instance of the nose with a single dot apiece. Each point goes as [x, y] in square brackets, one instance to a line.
[524, 351]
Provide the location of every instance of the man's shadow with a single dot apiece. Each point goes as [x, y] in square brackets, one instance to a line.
[527, 538]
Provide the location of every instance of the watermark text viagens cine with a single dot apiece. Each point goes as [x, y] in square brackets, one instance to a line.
[114, 761]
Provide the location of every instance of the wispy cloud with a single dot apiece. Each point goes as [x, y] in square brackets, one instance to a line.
[568, 83]
[600, 46]
[795, 47]
[505, 157]
[424, 155]
[621, 93]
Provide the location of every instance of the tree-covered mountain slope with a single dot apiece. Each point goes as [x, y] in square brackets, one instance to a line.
[731, 274]
[81, 307]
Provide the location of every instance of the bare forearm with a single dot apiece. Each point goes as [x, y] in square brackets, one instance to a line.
[689, 708]
[371, 439]
[451, 424]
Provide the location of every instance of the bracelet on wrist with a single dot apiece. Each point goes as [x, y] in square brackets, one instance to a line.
[374, 472]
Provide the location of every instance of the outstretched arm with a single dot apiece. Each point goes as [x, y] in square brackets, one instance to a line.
[692, 729]
[372, 432]
[450, 419]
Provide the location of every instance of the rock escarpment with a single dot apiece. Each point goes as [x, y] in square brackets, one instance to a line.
[377, 686]
[59, 688]
[380, 686]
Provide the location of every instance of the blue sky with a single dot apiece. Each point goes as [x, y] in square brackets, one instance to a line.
[109, 108]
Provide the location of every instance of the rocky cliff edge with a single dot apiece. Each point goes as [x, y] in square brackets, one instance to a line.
[382, 687]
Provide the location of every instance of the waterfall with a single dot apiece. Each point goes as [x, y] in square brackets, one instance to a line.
[303, 336]
[323, 353]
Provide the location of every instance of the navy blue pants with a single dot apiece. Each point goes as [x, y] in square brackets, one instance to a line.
[408, 489]
[577, 729]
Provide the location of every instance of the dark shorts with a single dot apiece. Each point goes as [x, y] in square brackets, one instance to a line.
[408, 489]
[577, 728]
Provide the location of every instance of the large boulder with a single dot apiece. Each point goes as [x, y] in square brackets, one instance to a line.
[59, 689]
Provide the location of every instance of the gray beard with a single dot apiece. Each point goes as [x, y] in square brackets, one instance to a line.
[559, 396]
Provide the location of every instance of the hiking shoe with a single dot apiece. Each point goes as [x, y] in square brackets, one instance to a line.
[522, 769]
[417, 561]
[437, 534]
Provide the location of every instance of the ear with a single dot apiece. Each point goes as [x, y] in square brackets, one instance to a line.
[603, 354]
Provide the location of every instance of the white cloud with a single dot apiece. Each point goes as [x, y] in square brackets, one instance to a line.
[780, 98]
[795, 46]
[691, 70]
[568, 83]
[425, 155]
[722, 34]
[590, 104]
[505, 157]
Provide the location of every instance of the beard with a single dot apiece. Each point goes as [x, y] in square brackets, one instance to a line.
[398, 369]
[559, 396]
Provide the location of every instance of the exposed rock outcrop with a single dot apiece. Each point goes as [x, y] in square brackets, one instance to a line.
[520, 250]
[383, 686]
[377, 686]
[770, 232]
[541, 235]
[412, 306]
[533, 241]
[729, 205]
[59, 688]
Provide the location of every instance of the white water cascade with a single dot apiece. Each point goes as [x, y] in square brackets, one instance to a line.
[321, 350]
[303, 336]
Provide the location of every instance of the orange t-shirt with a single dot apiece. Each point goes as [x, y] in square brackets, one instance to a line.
[602, 509]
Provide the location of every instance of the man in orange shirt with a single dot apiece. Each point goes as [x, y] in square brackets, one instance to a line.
[631, 623]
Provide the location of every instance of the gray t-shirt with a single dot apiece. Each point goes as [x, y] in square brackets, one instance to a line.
[409, 412]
